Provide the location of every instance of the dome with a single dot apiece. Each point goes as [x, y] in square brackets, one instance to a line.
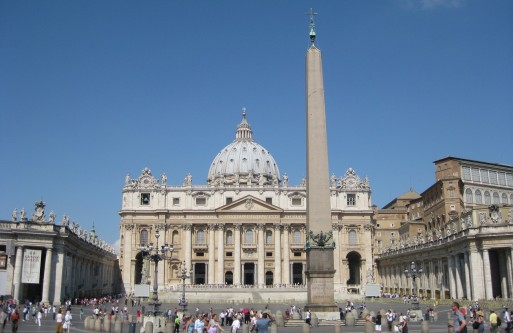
[244, 161]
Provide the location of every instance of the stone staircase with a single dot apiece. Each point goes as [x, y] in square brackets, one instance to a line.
[300, 322]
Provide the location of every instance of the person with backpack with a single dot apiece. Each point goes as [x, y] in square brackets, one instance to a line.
[459, 322]
[15, 318]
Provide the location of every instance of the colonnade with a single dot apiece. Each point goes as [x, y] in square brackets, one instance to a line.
[464, 272]
[66, 275]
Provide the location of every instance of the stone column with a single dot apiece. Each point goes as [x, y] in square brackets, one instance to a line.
[468, 285]
[487, 274]
[211, 254]
[277, 254]
[220, 254]
[188, 248]
[18, 266]
[459, 285]
[442, 282]
[452, 282]
[476, 270]
[509, 270]
[237, 259]
[128, 271]
[57, 299]
[336, 255]
[286, 254]
[503, 262]
[261, 256]
[47, 279]
[432, 277]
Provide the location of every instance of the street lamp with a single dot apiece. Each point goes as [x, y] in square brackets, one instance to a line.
[155, 255]
[413, 272]
[184, 274]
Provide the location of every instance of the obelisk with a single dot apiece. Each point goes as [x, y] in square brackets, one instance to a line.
[320, 246]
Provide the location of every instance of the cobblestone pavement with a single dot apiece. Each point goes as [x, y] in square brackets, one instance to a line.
[48, 325]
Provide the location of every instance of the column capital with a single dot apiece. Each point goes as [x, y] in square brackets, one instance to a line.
[187, 226]
[277, 226]
[237, 226]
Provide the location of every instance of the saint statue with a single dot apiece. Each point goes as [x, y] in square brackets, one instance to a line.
[14, 215]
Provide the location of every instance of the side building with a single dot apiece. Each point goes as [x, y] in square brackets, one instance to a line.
[245, 227]
[457, 233]
[41, 260]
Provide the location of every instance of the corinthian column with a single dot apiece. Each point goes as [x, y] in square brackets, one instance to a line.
[220, 254]
[188, 248]
[277, 254]
[261, 256]
[236, 273]
[286, 254]
[211, 253]
[487, 274]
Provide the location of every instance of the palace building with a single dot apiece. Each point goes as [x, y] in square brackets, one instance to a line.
[459, 231]
[245, 227]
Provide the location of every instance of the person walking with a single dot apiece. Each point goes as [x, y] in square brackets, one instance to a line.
[39, 316]
[15, 319]
[3, 320]
[459, 322]
[214, 326]
[262, 324]
[58, 320]
[67, 322]
[493, 322]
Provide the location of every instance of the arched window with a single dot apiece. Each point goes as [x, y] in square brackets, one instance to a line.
[174, 238]
[144, 237]
[479, 198]
[296, 237]
[229, 237]
[268, 237]
[200, 237]
[495, 198]
[487, 198]
[352, 237]
[504, 198]
[469, 196]
[248, 236]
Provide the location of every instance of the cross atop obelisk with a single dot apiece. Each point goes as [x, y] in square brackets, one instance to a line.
[319, 246]
[312, 25]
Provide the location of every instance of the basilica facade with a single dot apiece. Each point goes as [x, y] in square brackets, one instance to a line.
[246, 227]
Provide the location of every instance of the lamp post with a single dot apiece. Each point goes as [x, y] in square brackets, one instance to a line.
[184, 274]
[154, 254]
[413, 272]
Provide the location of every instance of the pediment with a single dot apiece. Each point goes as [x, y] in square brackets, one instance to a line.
[249, 204]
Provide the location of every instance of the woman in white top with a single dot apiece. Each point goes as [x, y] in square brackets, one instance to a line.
[67, 321]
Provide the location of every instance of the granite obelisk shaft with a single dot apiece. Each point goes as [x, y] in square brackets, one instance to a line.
[320, 267]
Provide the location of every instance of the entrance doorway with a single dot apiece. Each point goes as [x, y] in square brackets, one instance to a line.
[297, 273]
[249, 274]
[199, 273]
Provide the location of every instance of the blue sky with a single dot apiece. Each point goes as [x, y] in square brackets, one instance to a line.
[93, 90]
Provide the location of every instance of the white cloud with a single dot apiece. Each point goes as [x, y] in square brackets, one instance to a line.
[116, 246]
[430, 4]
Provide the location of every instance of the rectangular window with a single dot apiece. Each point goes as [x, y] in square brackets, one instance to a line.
[466, 173]
[297, 254]
[176, 201]
[269, 200]
[229, 254]
[229, 200]
[145, 199]
[475, 175]
[268, 254]
[502, 178]
[493, 177]
[296, 201]
[351, 199]
[484, 176]
[200, 254]
[201, 201]
[509, 179]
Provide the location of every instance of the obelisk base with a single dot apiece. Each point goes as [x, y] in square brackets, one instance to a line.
[320, 286]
